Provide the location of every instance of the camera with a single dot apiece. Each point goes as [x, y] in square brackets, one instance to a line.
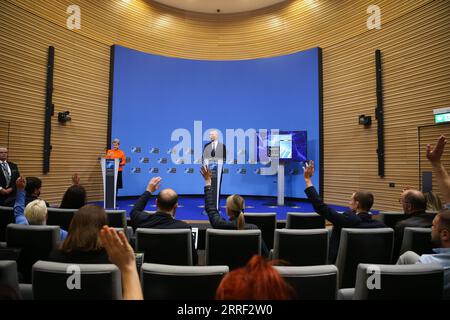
[64, 116]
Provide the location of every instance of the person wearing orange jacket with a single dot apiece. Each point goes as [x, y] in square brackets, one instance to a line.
[116, 153]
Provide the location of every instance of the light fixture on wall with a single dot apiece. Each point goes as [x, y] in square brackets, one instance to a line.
[365, 120]
[64, 116]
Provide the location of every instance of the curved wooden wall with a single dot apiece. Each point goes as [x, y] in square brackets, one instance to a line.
[413, 40]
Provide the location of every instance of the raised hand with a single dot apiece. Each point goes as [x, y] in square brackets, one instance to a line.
[21, 182]
[434, 154]
[308, 170]
[207, 174]
[153, 185]
[119, 250]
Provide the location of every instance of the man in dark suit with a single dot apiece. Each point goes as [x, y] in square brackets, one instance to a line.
[357, 217]
[164, 218]
[9, 173]
[414, 205]
[214, 156]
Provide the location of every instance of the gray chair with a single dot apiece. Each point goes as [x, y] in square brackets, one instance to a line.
[166, 282]
[62, 281]
[417, 240]
[362, 246]
[6, 217]
[266, 222]
[311, 282]
[165, 246]
[301, 247]
[35, 242]
[233, 248]
[60, 217]
[396, 282]
[304, 220]
[117, 218]
[390, 219]
[9, 279]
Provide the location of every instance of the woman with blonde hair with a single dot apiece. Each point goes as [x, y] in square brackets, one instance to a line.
[234, 209]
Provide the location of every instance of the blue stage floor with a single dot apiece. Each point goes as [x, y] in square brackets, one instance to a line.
[191, 208]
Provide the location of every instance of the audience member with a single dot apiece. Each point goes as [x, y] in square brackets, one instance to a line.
[414, 205]
[122, 255]
[83, 245]
[35, 211]
[440, 237]
[164, 218]
[75, 195]
[359, 215]
[33, 191]
[9, 172]
[234, 210]
[434, 156]
[258, 280]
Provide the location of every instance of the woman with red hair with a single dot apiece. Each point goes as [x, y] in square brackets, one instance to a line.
[258, 280]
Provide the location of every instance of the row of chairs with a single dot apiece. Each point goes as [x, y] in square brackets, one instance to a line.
[56, 281]
[231, 247]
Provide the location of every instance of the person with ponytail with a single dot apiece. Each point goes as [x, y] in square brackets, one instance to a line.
[234, 209]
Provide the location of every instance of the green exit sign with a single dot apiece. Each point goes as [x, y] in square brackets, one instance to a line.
[443, 117]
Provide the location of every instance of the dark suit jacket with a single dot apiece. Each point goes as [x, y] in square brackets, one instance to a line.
[158, 220]
[340, 220]
[15, 174]
[419, 219]
[28, 198]
[221, 152]
[217, 222]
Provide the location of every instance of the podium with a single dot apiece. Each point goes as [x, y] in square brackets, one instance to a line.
[110, 171]
[216, 167]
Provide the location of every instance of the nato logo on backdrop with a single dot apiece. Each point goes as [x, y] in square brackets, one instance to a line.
[136, 170]
[153, 170]
[136, 149]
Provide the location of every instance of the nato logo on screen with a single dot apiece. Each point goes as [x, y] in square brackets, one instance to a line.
[136, 150]
[144, 160]
[153, 170]
[172, 170]
[189, 170]
[154, 150]
[162, 160]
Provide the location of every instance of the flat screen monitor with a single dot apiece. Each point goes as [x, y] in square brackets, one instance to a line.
[290, 145]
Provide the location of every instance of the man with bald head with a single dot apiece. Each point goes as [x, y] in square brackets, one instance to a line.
[164, 218]
[414, 205]
[9, 173]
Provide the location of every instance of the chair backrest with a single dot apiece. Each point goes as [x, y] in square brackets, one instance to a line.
[233, 248]
[362, 246]
[165, 246]
[307, 247]
[304, 220]
[396, 282]
[266, 222]
[390, 219]
[35, 242]
[63, 281]
[8, 275]
[6, 217]
[166, 282]
[60, 217]
[312, 282]
[128, 231]
[417, 240]
[117, 218]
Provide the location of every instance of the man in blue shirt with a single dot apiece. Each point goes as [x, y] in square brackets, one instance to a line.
[35, 211]
[440, 236]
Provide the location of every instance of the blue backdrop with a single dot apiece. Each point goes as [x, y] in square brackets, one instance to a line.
[163, 107]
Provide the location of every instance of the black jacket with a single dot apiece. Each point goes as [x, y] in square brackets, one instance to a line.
[220, 153]
[28, 198]
[340, 220]
[158, 220]
[217, 222]
[15, 174]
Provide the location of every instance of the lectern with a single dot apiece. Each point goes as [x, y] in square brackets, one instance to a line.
[110, 171]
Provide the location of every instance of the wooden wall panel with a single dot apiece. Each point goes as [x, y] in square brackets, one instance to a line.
[413, 39]
[81, 83]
